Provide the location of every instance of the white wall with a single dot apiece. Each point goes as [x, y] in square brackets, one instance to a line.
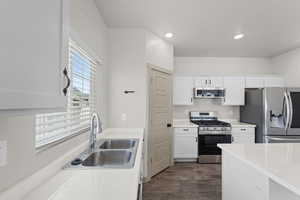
[159, 52]
[127, 72]
[227, 66]
[130, 50]
[288, 66]
[19, 131]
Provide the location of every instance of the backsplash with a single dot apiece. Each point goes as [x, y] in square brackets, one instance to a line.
[208, 105]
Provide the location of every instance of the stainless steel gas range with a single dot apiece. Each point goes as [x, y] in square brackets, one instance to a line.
[211, 132]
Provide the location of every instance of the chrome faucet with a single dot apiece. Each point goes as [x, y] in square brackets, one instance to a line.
[96, 127]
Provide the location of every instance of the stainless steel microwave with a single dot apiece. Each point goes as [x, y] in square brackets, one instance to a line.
[209, 93]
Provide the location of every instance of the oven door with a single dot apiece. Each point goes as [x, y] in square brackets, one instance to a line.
[207, 143]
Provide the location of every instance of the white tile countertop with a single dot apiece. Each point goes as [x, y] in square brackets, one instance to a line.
[92, 184]
[279, 162]
[236, 124]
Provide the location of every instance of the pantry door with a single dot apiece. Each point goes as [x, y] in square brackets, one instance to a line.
[160, 129]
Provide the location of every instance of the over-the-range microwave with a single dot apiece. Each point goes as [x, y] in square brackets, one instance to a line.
[209, 93]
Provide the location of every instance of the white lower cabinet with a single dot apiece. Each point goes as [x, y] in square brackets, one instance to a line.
[243, 135]
[185, 143]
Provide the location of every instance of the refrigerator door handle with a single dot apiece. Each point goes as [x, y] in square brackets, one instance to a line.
[283, 139]
[287, 113]
[290, 107]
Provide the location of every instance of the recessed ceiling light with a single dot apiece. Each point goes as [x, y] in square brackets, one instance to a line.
[238, 36]
[169, 35]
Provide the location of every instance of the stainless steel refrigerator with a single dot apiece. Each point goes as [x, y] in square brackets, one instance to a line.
[276, 113]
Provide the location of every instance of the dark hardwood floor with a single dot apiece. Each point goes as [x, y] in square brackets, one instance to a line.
[185, 181]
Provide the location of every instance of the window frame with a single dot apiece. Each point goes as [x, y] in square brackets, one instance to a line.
[96, 63]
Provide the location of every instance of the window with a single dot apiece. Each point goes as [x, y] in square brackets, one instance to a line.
[56, 127]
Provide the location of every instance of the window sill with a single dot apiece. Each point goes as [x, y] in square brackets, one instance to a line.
[60, 141]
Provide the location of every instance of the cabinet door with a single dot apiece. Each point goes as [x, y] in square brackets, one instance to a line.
[243, 135]
[274, 82]
[255, 82]
[216, 82]
[34, 51]
[186, 143]
[201, 82]
[234, 91]
[183, 91]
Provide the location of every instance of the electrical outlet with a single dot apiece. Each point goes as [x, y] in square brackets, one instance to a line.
[124, 117]
[3, 153]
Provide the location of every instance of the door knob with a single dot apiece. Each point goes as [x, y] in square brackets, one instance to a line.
[169, 125]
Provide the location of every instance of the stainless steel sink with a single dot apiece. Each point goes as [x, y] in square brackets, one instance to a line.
[109, 153]
[117, 144]
[108, 158]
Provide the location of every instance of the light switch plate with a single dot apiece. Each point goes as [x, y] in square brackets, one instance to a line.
[3, 153]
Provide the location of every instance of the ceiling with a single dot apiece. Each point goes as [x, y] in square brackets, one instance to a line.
[207, 27]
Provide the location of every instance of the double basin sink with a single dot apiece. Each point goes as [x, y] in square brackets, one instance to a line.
[109, 153]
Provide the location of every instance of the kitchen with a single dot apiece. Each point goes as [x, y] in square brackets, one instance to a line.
[139, 100]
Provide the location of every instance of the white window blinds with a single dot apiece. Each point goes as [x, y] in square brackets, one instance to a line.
[54, 127]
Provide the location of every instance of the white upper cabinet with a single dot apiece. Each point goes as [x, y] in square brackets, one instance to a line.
[274, 82]
[34, 52]
[255, 82]
[208, 82]
[200, 82]
[234, 90]
[264, 81]
[217, 82]
[183, 91]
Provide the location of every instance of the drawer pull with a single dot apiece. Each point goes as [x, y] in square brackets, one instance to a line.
[243, 129]
[185, 129]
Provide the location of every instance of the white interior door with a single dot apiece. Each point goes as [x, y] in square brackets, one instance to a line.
[160, 138]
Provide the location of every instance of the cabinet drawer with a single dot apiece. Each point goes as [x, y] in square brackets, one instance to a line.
[186, 130]
[246, 130]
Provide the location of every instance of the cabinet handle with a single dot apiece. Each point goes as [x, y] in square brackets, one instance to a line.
[192, 100]
[210, 82]
[243, 129]
[232, 139]
[196, 139]
[185, 129]
[206, 82]
[65, 90]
